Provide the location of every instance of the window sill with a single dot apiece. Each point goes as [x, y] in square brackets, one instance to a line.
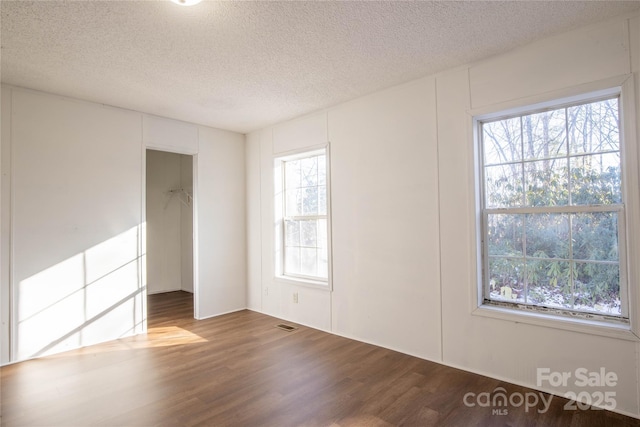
[298, 281]
[591, 327]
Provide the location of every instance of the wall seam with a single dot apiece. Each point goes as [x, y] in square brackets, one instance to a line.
[627, 28]
[435, 84]
[631, 71]
[260, 135]
[638, 378]
[11, 255]
[142, 231]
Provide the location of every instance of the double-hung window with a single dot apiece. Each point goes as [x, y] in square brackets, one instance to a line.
[553, 210]
[303, 222]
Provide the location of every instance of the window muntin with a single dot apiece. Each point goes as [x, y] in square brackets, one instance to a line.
[552, 210]
[304, 222]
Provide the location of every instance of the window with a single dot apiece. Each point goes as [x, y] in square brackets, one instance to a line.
[553, 211]
[304, 220]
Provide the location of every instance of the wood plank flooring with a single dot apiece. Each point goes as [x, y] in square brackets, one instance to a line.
[239, 370]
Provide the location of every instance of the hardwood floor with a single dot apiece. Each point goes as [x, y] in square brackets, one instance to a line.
[239, 370]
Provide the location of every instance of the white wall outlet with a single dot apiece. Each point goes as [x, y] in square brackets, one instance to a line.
[295, 297]
[266, 292]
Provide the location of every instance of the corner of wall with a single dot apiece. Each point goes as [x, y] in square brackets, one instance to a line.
[5, 225]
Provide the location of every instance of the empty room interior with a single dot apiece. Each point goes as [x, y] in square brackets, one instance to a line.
[320, 213]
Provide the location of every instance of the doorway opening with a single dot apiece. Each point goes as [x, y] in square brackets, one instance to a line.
[169, 211]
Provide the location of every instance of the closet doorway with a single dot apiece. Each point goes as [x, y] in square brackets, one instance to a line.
[169, 224]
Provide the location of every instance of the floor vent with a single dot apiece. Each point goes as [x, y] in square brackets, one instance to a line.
[287, 328]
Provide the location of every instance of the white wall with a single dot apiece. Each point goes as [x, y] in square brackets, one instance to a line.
[220, 211]
[169, 222]
[385, 228]
[384, 176]
[219, 204]
[403, 210]
[73, 247]
[75, 223]
[254, 222]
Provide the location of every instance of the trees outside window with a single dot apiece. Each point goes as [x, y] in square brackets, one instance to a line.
[304, 221]
[553, 210]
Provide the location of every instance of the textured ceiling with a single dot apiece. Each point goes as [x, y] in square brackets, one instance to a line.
[245, 65]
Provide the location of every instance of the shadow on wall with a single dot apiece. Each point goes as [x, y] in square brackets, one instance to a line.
[94, 296]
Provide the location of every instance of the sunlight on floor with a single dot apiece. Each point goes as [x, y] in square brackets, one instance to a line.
[156, 337]
[171, 335]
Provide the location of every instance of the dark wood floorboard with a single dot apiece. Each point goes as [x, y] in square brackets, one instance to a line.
[239, 370]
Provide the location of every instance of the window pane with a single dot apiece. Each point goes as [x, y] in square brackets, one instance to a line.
[309, 170]
[310, 200]
[504, 234]
[597, 288]
[292, 260]
[594, 127]
[292, 174]
[595, 236]
[547, 183]
[322, 200]
[532, 165]
[502, 141]
[503, 186]
[293, 202]
[308, 233]
[292, 233]
[506, 279]
[544, 135]
[548, 283]
[305, 246]
[596, 179]
[547, 235]
[309, 261]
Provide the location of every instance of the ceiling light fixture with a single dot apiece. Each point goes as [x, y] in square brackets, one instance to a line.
[186, 2]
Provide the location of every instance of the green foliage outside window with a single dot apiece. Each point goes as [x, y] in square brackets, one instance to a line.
[553, 195]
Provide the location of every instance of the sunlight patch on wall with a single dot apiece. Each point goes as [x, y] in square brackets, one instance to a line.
[91, 297]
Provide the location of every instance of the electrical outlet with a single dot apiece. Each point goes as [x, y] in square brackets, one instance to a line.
[295, 297]
[266, 292]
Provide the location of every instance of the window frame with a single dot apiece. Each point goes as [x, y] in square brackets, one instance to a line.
[622, 87]
[280, 217]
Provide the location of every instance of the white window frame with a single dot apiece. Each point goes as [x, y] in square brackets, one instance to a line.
[622, 86]
[279, 219]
